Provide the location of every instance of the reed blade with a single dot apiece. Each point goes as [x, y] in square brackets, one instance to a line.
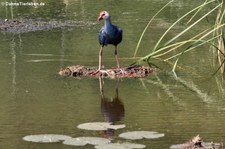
[140, 39]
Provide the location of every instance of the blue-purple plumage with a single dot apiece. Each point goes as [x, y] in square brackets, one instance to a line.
[110, 34]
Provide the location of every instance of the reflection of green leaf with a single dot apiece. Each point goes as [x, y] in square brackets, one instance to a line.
[136, 135]
[46, 138]
[100, 126]
[120, 146]
[82, 141]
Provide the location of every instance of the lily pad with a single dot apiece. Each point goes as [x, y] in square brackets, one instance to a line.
[82, 141]
[137, 135]
[46, 138]
[97, 126]
[120, 146]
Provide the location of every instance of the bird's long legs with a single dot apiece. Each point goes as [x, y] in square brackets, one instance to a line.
[100, 63]
[100, 58]
[117, 61]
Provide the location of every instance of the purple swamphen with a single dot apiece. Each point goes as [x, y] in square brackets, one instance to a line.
[108, 34]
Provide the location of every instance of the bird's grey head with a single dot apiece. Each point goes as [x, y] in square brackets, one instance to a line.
[103, 15]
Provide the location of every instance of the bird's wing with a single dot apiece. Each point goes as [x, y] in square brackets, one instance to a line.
[118, 36]
[101, 36]
[119, 32]
[104, 37]
[112, 36]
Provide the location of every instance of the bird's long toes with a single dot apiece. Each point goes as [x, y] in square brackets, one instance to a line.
[104, 73]
[95, 72]
[121, 70]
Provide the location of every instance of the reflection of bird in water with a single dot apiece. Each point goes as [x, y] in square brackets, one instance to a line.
[112, 110]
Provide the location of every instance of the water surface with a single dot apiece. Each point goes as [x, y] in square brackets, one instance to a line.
[36, 100]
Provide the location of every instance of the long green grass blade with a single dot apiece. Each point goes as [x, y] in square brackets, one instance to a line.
[173, 45]
[193, 47]
[178, 44]
[196, 13]
[192, 40]
[157, 44]
[174, 66]
[140, 39]
[195, 41]
[174, 48]
[192, 25]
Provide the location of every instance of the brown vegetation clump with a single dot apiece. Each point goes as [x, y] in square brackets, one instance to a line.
[134, 71]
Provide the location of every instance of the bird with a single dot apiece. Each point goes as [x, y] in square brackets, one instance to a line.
[108, 34]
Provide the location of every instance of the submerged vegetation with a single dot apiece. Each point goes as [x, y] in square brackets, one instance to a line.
[211, 37]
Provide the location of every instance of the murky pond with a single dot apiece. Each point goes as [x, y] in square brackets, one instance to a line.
[35, 100]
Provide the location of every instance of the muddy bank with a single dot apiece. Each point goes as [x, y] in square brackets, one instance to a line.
[134, 71]
[29, 25]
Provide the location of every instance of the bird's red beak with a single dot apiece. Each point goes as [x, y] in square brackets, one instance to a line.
[99, 18]
[101, 14]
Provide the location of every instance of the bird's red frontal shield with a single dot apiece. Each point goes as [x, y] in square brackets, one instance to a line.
[101, 14]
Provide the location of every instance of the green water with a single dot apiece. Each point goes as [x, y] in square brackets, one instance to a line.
[34, 99]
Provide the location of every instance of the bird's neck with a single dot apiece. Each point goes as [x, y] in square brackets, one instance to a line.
[108, 23]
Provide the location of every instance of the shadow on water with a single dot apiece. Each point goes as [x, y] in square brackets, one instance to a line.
[112, 109]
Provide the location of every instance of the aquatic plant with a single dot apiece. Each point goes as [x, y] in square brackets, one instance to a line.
[175, 47]
[137, 135]
[97, 142]
[46, 138]
[100, 126]
[219, 43]
[82, 141]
